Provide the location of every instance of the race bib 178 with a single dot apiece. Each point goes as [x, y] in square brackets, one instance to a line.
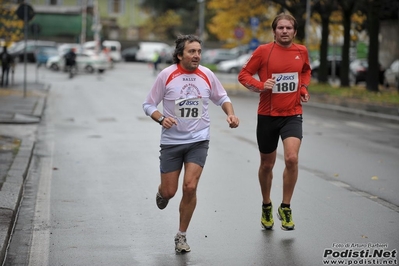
[188, 108]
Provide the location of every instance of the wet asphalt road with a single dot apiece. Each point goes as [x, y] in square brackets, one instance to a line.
[91, 189]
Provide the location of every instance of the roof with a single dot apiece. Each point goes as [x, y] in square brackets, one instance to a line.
[58, 9]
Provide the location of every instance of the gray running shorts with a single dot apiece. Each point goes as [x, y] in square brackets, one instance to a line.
[172, 157]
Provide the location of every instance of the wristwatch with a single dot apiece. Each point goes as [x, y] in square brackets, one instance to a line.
[160, 120]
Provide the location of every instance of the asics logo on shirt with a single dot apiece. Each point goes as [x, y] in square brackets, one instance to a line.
[283, 77]
[188, 102]
[297, 57]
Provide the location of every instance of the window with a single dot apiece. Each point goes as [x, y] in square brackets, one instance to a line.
[116, 6]
[54, 2]
[87, 2]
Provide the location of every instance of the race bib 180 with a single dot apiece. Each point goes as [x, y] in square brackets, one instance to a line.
[285, 82]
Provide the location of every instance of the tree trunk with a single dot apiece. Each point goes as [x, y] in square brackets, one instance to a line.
[347, 8]
[323, 69]
[372, 78]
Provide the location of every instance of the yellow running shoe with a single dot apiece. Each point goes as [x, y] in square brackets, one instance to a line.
[267, 221]
[285, 215]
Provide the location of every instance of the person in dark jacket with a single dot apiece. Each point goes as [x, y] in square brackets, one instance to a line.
[6, 63]
[70, 59]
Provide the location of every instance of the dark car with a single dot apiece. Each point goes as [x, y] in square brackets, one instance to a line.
[18, 49]
[332, 61]
[129, 54]
[358, 71]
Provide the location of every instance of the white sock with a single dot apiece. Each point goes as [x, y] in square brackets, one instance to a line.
[181, 233]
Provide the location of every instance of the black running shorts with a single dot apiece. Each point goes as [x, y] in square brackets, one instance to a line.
[270, 128]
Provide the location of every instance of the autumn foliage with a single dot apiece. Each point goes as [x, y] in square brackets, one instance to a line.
[11, 27]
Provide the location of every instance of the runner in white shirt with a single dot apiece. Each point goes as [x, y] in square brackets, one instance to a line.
[185, 90]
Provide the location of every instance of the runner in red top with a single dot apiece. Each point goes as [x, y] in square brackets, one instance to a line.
[284, 74]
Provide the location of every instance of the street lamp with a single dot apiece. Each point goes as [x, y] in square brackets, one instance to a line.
[201, 18]
[84, 19]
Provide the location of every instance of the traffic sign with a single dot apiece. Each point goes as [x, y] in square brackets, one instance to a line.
[239, 33]
[21, 12]
[253, 44]
[254, 21]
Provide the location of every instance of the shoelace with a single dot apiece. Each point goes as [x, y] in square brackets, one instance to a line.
[181, 239]
[267, 213]
[287, 214]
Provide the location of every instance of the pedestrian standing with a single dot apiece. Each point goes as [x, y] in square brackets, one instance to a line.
[185, 89]
[156, 60]
[284, 75]
[6, 62]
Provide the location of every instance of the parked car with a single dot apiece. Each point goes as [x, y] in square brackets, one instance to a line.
[17, 50]
[84, 61]
[234, 65]
[391, 75]
[147, 51]
[332, 60]
[112, 48]
[167, 54]
[66, 47]
[215, 56]
[242, 49]
[42, 54]
[358, 71]
[129, 54]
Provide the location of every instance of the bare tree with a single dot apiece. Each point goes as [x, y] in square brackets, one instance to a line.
[374, 7]
[348, 7]
[324, 8]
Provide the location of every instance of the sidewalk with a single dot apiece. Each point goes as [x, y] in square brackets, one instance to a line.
[20, 114]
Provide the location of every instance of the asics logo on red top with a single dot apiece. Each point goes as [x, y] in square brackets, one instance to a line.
[284, 77]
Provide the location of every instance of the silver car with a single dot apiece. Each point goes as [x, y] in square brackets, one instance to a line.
[391, 75]
[234, 65]
[84, 61]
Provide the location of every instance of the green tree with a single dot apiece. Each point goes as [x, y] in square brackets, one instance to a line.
[185, 11]
[296, 8]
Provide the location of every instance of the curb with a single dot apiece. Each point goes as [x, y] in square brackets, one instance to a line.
[11, 193]
[381, 112]
[343, 109]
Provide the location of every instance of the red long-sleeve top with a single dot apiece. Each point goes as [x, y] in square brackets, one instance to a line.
[291, 68]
